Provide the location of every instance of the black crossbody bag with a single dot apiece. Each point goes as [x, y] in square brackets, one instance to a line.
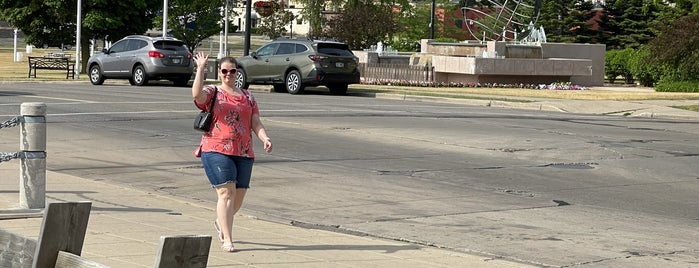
[204, 119]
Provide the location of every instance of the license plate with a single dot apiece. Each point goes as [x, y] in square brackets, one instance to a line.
[340, 64]
[176, 60]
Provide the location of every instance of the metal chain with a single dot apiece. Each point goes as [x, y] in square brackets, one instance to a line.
[9, 156]
[12, 122]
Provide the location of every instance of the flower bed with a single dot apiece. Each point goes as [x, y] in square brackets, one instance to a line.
[552, 86]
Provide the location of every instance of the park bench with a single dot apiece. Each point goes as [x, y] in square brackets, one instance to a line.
[51, 62]
[61, 238]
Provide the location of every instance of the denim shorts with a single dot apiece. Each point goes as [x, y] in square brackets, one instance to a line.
[222, 169]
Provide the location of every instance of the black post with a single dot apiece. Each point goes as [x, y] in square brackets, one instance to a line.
[432, 19]
[248, 20]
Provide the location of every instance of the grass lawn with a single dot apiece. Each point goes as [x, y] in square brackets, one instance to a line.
[593, 94]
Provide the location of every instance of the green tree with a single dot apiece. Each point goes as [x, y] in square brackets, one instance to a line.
[193, 21]
[274, 25]
[683, 37]
[43, 20]
[572, 22]
[314, 10]
[631, 22]
[551, 18]
[412, 26]
[357, 25]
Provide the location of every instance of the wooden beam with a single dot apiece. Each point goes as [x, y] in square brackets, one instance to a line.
[16, 250]
[183, 251]
[70, 260]
[63, 229]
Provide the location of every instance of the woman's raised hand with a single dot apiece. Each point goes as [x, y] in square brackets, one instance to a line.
[200, 59]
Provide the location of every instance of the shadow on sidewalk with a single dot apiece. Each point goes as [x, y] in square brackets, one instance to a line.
[281, 247]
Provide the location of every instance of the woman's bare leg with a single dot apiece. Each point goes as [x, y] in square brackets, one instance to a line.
[225, 208]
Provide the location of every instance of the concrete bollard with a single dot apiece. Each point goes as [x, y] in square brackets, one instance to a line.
[32, 184]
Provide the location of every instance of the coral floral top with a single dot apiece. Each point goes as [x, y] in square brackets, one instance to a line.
[231, 131]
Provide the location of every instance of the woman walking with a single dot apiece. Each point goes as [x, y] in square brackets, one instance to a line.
[226, 149]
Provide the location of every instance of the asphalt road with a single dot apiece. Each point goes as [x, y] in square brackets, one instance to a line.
[545, 188]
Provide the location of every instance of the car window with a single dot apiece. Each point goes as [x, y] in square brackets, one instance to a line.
[267, 50]
[301, 48]
[170, 45]
[286, 48]
[136, 44]
[119, 46]
[334, 49]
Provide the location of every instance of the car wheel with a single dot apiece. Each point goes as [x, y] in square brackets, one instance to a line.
[96, 77]
[293, 82]
[139, 77]
[338, 89]
[240, 78]
[181, 82]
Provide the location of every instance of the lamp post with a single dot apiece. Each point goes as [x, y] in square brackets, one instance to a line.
[434, 7]
[225, 30]
[248, 20]
[78, 28]
[164, 18]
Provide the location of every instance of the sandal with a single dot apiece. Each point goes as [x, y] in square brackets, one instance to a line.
[218, 229]
[228, 247]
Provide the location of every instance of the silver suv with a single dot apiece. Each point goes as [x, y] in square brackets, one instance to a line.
[292, 64]
[141, 58]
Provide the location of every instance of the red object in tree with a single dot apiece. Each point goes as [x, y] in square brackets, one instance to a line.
[265, 8]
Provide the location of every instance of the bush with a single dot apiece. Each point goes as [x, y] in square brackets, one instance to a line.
[405, 45]
[617, 64]
[644, 68]
[665, 85]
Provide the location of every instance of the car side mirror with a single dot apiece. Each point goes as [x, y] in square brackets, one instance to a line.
[105, 51]
[253, 54]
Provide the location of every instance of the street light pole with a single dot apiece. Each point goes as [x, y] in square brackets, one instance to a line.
[225, 30]
[248, 20]
[78, 28]
[434, 7]
[164, 18]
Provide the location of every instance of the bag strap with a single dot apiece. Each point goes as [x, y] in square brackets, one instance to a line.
[213, 99]
[247, 95]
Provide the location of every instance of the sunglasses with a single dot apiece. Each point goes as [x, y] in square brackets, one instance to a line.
[226, 71]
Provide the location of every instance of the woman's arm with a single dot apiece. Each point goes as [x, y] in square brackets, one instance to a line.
[261, 133]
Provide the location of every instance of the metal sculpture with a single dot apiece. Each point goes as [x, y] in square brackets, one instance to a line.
[504, 20]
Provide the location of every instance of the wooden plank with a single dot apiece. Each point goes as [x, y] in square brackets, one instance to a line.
[70, 260]
[16, 250]
[63, 229]
[190, 251]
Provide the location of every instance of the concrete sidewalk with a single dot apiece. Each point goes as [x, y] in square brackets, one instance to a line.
[125, 226]
[642, 109]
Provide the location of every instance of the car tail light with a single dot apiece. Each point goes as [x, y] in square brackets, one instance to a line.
[316, 58]
[155, 54]
[189, 56]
